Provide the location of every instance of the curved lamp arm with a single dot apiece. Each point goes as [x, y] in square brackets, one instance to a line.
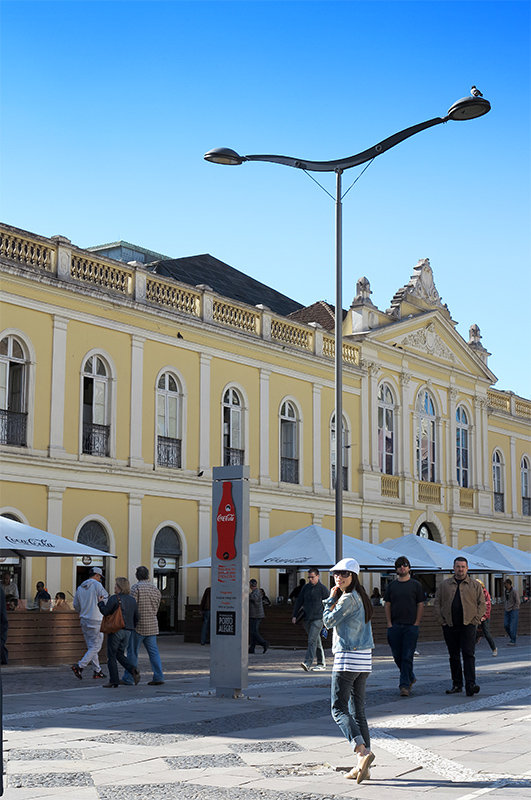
[466, 108]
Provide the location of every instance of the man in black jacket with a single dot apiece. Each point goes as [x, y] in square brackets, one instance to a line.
[310, 600]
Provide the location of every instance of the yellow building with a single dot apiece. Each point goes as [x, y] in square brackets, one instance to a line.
[123, 384]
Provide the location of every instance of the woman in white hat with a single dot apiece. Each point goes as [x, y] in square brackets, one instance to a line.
[348, 611]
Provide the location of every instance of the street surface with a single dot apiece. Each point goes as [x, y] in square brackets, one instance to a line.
[74, 740]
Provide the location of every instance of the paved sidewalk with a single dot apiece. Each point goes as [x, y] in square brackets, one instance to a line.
[73, 740]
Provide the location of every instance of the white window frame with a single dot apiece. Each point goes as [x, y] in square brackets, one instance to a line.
[29, 379]
[429, 422]
[462, 429]
[296, 420]
[110, 401]
[384, 406]
[525, 493]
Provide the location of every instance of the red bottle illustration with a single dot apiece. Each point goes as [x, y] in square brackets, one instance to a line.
[226, 525]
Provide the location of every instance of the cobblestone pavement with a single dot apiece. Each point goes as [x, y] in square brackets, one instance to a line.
[65, 738]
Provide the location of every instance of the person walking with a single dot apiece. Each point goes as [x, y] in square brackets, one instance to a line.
[85, 603]
[118, 641]
[348, 612]
[310, 600]
[404, 606]
[459, 606]
[147, 598]
[483, 628]
[511, 605]
[256, 615]
[205, 613]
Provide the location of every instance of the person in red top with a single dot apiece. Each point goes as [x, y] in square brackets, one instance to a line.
[484, 625]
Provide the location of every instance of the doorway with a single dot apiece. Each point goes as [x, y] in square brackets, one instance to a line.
[166, 563]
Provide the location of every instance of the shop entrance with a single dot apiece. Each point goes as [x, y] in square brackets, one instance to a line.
[166, 563]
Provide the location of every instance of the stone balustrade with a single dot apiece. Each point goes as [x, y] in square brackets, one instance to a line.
[60, 258]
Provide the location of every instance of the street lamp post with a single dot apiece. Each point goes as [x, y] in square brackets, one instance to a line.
[466, 108]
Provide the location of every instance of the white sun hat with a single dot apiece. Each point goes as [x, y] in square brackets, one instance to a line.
[349, 564]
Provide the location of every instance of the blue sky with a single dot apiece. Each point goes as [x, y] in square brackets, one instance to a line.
[108, 108]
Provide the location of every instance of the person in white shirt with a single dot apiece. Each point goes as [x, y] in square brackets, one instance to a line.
[86, 600]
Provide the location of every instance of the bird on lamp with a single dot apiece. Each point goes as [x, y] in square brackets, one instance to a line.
[474, 91]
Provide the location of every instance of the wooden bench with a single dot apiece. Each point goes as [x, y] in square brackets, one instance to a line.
[42, 638]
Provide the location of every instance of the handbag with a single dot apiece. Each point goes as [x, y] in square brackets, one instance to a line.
[112, 623]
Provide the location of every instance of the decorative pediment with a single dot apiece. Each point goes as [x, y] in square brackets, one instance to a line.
[420, 290]
[429, 341]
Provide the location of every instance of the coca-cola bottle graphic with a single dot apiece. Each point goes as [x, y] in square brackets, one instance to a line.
[226, 524]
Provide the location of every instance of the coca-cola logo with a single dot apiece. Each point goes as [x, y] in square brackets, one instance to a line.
[225, 517]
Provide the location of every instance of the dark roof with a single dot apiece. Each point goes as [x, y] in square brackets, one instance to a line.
[321, 312]
[225, 280]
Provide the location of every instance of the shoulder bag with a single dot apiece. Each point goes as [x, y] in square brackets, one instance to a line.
[112, 623]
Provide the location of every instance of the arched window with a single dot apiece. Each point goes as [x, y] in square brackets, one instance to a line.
[426, 446]
[92, 534]
[289, 446]
[386, 430]
[524, 481]
[169, 416]
[96, 404]
[344, 453]
[13, 392]
[497, 481]
[233, 450]
[424, 532]
[462, 447]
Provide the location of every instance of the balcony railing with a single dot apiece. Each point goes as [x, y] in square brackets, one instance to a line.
[390, 484]
[466, 498]
[526, 506]
[499, 501]
[96, 439]
[289, 470]
[13, 428]
[232, 457]
[429, 492]
[168, 452]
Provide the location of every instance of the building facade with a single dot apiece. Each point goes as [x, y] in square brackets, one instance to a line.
[123, 384]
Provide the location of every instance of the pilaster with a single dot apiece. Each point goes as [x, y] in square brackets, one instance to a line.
[134, 533]
[204, 414]
[317, 444]
[264, 455]
[135, 432]
[204, 537]
[54, 524]
[57, 402]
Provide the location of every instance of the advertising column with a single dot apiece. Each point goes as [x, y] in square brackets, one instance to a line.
[229, 624]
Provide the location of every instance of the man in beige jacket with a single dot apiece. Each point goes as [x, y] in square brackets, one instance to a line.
[459, 606]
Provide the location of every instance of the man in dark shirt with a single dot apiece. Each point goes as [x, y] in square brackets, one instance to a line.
[310, 600]
[404, 605]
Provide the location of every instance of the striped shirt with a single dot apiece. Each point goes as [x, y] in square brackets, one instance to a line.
[147, 597]
[353, 661]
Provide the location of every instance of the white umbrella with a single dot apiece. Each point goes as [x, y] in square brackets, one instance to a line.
[23, 540]
[513, 561]
[440, 556]
[315, 546]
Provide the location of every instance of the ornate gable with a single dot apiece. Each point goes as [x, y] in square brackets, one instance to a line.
[428, 341]
[420, 291]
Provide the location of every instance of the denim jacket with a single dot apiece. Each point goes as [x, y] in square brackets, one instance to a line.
[347, 618]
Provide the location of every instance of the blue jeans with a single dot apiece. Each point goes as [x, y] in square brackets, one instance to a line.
[255, 637]
[116, 644]
[510, 623]
[150, 643]
[348, 706]
[402, 640]
[313, 628]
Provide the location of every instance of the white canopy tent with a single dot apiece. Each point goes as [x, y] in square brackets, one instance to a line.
[439, 556]
[315, 546]
[19, 539]
[514, 562]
